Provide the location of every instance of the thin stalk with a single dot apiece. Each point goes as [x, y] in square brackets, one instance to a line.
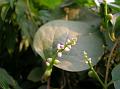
[97, 76]
[111, 82]
[89, 62]
[109, 60]
[48, 83]
[105, 13]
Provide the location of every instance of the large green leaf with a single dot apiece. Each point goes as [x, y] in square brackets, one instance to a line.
[116, 76]
[54, 32]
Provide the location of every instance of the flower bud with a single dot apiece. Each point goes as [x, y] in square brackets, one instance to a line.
[49, 60]
[47, 74]
[109, 16]
[91, 74]
[68, 41]
[47, 63]
[60, 46]
[89, 59]
[59, 54]
[56, 61]
[67, 48]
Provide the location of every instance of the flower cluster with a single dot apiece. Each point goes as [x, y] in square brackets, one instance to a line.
[66, 47]
[60, 48]
[87, 60]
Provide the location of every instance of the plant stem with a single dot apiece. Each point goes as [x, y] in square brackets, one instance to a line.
[95, 73]
[109, 60]
[111, 82]
[48, 83]
[105, 13]
[97, 76]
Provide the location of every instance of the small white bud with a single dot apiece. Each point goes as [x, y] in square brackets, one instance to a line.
[59, 54]
[68, 41]
[49, 60]
[67, 49]
[47, 63]
[47, 73]
[84, 52]
[57, 61]
[89, 59]
[86, 62]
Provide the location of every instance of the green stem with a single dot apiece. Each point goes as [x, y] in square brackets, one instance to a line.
[95, 73]
[111, 82]
[105, 13]
[97, 76]
[109, 59]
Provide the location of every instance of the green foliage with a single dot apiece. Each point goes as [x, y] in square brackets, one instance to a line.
[4, 11]
[6, 80]
[116, 76]
[52, 4]
[36, 74]
[87, 3]
[19, 21]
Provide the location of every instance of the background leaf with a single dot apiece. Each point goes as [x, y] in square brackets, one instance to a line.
[52, 4]
[4, 11]
[35, 75]
[6, 80]
[3, 2]
[58, 31]
[116, 76]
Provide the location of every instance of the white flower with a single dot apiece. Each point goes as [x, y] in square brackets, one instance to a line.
[60, 46]
[59, 54]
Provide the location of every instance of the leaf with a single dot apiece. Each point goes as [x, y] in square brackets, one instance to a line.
[52, 4]
[35, 75]
[54, 32]
[20, 9]
[3, 2]
[11, 3]
[116, 76]
[4, 11]
[6, 80]
[117, 24]
[114, 19]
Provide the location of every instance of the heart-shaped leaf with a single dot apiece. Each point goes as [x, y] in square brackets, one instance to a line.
[58, 31]
[116, 76]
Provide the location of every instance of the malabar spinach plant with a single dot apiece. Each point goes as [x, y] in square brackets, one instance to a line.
[91, 43]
